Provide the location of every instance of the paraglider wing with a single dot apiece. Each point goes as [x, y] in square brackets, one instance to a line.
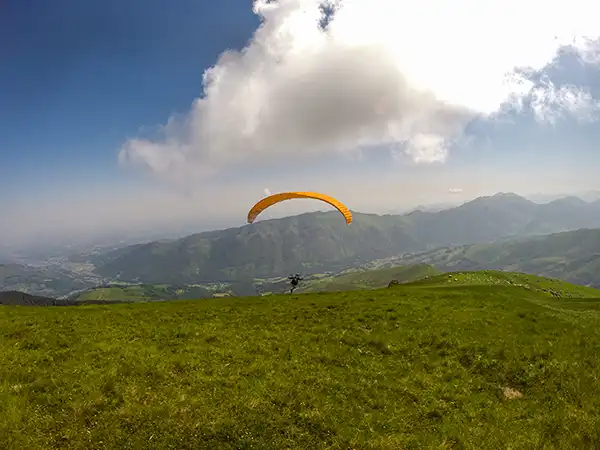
[276, 198]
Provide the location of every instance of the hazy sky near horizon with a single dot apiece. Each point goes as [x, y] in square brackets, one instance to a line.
[138, 114]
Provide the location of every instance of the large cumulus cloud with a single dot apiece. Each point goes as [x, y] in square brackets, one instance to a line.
[340, 75]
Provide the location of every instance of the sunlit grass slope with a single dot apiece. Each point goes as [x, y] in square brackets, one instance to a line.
[491, 278]
[490, 361]
[141, 293]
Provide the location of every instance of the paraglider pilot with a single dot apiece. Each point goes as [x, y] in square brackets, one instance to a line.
[294, 280]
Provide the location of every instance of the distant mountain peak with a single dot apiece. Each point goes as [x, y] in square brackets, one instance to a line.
[569, 200]
[510, 195]
[499, 199]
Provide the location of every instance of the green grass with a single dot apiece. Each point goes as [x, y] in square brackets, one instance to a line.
[144, 292]
[554, 287]
[420, 365]
[127, 293]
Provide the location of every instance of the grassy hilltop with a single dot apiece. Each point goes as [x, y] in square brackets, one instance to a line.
[467, 360]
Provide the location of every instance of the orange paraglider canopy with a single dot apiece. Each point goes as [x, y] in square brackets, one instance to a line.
[276, 198]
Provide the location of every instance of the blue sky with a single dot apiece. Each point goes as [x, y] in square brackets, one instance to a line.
[376, 110]
[78, 78]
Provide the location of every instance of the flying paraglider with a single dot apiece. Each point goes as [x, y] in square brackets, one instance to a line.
[276, 198]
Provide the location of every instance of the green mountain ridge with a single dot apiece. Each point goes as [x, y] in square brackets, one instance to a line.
[317, 243]
[310, 243]
[573, 256]
[321, 242]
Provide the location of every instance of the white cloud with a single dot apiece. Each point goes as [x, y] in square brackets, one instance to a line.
[550, 103]
[455, 190]
[407, 74]
[267, 192]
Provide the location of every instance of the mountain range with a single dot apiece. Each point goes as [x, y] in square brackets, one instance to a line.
[572, 256]
[321, 242]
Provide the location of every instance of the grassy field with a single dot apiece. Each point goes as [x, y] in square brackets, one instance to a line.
[144, 293]
[468, 360]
